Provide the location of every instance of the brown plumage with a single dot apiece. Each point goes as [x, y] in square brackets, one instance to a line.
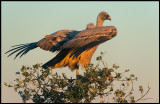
[79, 50]
[50, 41]
[85, 57]
[90, 25]
[75, 47]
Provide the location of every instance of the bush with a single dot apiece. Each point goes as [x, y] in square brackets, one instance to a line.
[42, 86]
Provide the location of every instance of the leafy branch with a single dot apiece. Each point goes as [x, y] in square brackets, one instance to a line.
[43, 86]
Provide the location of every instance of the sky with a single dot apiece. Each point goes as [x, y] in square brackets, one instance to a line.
[136, 46]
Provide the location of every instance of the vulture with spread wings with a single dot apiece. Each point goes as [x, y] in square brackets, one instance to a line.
[75, 47]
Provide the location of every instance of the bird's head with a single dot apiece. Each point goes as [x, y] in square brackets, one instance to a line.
[104, 16]
[90, 25]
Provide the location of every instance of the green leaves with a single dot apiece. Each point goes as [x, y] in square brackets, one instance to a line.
[118, 75]
[127, 70]
[17, 73]
[132, 99]
[99, 58]
[115, 66]
[26, 74]
[42, 86]
[111, 89]
[8, 85]
[141, 89]
[132, 75]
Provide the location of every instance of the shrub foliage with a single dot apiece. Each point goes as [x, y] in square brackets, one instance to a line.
[45, 86]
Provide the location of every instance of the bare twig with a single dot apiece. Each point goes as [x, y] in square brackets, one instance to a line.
[143, 95]
[146, 98]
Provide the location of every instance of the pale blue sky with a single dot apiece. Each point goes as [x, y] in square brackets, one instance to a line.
[135, 47]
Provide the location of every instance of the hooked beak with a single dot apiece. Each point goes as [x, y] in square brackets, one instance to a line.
[109, 18]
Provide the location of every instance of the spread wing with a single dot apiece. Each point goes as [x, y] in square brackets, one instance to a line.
[49, 41]
[90, 38]
[68, 39]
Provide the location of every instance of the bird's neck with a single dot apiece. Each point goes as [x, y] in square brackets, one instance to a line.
[99, 22]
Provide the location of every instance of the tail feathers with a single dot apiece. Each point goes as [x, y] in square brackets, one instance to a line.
[22, 48]
[59, 57]
[50, 63]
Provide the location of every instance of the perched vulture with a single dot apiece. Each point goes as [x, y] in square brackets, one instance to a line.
[74, 47]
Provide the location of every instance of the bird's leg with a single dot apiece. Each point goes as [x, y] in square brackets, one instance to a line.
[77, 72]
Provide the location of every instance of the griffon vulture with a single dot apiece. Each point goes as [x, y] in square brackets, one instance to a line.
[74, 47]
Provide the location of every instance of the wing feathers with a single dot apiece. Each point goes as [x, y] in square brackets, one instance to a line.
[20, 53]
[15, 48]
[22, 48]
[50, 41]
